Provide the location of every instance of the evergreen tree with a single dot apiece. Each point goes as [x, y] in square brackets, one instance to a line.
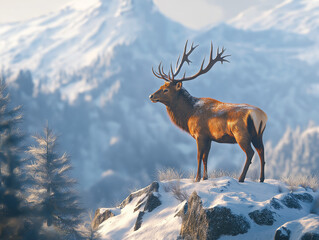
[11, 203]
[52, 187]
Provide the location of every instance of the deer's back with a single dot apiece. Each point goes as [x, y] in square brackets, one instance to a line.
[218, 120]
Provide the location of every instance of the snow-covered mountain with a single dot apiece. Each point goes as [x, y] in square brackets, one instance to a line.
[218, 208]
[87, 70]
[81, 35]
[290, 15]
[300, 17]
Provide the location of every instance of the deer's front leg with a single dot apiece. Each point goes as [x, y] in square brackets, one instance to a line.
[203, 147]
[199, 163]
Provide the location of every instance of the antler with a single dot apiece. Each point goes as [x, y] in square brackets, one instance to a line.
[170, 77]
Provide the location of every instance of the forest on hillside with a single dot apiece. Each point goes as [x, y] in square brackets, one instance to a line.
[38, 196]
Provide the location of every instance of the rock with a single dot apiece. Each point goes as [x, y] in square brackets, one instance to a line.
[282, 233]
[138, 222]
[182, 211]
[310, 236]
[100, 216]
[291, 201]
[306, 197]
[200, 223]
[152, 202]
[274, 202]
[149, 201]
[153, 187]
[305, 228]
[263, 217]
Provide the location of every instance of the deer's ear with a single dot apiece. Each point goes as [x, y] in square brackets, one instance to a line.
[178, 86]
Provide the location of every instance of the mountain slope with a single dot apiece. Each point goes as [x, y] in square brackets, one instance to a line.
[300, 17]
[80, 35]
[68, 40]
[290, 15]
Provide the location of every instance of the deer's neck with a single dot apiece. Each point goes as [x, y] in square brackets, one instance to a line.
[181, 109]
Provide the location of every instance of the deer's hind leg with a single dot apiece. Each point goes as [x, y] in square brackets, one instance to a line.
[244, 141]
[259, 145]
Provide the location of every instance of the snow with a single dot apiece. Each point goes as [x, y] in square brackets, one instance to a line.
[161, 225]
[199, 103]
[241, 198]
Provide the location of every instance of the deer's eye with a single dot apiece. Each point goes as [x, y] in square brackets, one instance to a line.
[165, 90]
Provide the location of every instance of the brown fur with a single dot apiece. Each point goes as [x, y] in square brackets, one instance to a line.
[207, 119]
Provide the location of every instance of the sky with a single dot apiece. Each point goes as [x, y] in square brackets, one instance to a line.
[195, 14]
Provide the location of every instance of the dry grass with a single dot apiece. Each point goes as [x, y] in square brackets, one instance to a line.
[172, 174]
[169, 174]
[301, 181]
[173, 187]
[222, 173]
[192, 174]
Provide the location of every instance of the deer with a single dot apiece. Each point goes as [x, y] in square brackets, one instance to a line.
[207, 119]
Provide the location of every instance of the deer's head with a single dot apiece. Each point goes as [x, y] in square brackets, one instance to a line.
[166, 93]
[169, 90]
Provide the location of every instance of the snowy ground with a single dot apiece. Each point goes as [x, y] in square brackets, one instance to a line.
[241, 198]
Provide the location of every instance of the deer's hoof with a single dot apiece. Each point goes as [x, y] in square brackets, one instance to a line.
[261, 180]
[205, 178]
[197, 179]
[241, 180]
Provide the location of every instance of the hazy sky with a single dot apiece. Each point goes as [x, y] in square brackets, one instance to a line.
[192, 13]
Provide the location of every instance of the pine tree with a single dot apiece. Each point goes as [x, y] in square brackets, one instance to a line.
[11, 203]
[52, 188]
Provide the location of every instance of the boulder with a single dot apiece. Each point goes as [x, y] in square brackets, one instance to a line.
[262, 217]
[291, 201]
[282, 234]
[210, 223]
[306, 228]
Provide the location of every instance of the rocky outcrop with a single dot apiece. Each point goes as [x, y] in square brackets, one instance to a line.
[153, 187]
[150, 201]
[101, 214]
[217, 208]
[211, 223]
[138, 222]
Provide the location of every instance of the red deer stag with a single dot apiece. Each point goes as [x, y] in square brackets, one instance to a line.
[207, 119]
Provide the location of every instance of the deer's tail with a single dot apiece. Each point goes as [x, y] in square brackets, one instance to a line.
[259, 120]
